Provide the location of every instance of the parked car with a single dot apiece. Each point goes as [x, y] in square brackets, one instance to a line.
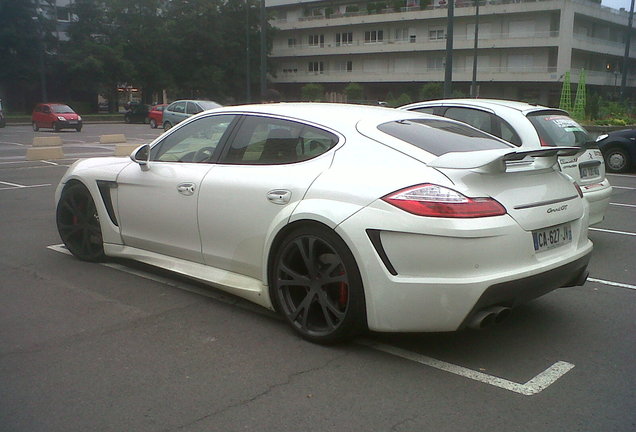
[155, 115]
[619, 150]
[136, 113]
[55, 116]
[533, 126]
[340, 217]
[3, 121]
[180, 110]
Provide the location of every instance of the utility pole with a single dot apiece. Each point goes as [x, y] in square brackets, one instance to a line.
[628, 38]
[263, 51]
[248, 90]
[473, 86]
[448, 70]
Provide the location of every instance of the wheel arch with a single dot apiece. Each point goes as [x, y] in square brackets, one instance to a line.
[621, 144]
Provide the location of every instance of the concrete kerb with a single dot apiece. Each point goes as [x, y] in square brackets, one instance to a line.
[122, 148]
[45, 148]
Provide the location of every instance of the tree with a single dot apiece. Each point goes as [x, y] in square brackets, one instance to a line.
[354, 92]
[312, 92]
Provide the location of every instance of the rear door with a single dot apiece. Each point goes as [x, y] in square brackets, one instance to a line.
[261, 177]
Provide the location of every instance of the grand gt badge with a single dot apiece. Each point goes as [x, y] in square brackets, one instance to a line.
[557, 209]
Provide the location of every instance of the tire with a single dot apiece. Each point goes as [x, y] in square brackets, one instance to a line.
[153, 123]
[79, 129]
[127, 119]
[167, 126]
[617, 160]
[35, 126]
[56, 127]
[78, 223]
[316, 285]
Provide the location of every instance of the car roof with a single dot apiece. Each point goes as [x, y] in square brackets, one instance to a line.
[328, 114]
[493, 104]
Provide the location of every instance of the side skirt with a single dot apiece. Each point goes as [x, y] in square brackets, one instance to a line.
[239, 285]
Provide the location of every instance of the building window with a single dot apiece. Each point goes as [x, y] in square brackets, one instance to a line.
[435, 63]
[317, 40]
[401, 34]
[344, 66]
[316, 67]
[344, 38]
[291, 42]
[436, 34]
[63, 13]
[290, 69]
[373, 36]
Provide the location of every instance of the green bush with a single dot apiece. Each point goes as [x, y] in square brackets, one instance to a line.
[354, 91]
[312, 92]
[430, 91]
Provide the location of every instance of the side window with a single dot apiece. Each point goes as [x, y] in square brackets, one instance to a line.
[425, 110]
[479, 119]
[196, 142]
[178, 107]
[270, 141]
[193, 108]
[508, 133]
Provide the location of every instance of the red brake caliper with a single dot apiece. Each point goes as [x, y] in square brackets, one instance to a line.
[343, 293]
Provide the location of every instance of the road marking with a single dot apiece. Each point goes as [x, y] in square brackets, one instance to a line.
[619, 175]
[623, 205]
[613, 231]
[616, 284]
[623, 187]
[532, 387]
[17, 186]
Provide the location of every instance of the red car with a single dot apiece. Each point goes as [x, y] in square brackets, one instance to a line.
[55, 116]
[155, 115]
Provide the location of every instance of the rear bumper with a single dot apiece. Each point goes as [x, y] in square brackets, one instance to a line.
[598, 197]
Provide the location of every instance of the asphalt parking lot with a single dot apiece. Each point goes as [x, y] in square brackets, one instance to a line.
[124, 347]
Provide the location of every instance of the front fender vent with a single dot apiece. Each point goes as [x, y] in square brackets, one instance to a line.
[104, 190]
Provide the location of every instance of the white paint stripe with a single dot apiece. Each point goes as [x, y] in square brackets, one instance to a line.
[532, 387]
[11, 184]
[50, 163]
[613, 231]
[618, 175]
[623, 187]
[616, 284]
[623, 205]
[24, 187]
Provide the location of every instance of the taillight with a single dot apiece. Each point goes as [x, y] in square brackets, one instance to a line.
[579, 190]
[438, 201]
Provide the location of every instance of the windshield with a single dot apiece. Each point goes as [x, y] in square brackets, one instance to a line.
[441, 136]
[555, 128]
[62, 109]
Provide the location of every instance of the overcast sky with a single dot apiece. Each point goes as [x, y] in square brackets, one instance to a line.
[617, 4]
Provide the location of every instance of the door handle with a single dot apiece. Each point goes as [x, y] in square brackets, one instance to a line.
[279, 196]
[186, 189]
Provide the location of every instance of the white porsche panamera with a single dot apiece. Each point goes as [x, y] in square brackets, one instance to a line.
[342, 218]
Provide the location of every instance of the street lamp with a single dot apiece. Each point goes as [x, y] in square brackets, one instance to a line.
[248, 90]
[39, 14]
[448, 70]
[473, 86]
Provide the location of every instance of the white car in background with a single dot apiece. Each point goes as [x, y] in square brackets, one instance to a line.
[340, 217]
[533, 126]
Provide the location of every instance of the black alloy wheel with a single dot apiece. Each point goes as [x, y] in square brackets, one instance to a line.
[317, 286]
[78, 223]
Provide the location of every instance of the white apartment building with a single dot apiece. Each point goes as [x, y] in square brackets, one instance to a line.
[525, 47]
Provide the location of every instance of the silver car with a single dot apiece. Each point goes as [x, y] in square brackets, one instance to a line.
[534, 126]
[180, 110]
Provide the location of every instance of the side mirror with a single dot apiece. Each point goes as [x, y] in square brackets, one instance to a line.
[141, 156]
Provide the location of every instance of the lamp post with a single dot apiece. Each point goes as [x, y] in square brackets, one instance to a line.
[41, 35]
[263, 52]
[628, 38]
[473, 85]
[248, 90]
[448, 69]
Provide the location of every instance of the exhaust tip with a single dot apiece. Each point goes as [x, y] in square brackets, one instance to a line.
[488, 317]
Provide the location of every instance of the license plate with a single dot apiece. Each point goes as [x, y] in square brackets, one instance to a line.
[553, 237]
[589, 171]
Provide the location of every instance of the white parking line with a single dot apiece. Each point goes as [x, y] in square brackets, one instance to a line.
[623, 205]
[612, 231]
[616, 284]
[532, 387]
[18, 186]
[623, 187]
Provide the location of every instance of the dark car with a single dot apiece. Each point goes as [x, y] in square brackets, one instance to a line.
[136, 113]
[619, 150]
[55, 116]
[3, 122]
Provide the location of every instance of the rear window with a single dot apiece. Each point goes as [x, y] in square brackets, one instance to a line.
[439, 136]
[557, 129]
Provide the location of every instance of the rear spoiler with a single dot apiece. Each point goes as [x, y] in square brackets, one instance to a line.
[494, 161]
